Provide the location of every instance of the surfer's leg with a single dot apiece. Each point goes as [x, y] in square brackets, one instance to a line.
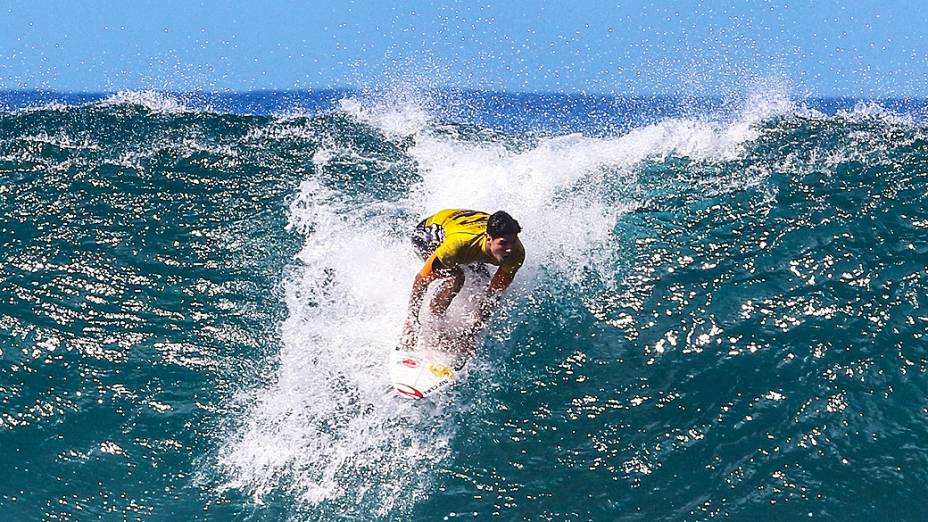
[446, 292]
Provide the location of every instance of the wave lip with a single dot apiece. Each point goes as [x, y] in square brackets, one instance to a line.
[157, 102]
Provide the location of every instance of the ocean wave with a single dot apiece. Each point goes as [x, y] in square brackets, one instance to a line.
[738, 287]
[301, 435]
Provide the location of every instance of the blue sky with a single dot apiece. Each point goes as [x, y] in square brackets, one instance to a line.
[855, 48]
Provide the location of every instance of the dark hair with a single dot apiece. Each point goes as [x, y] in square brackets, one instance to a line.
[501, 224]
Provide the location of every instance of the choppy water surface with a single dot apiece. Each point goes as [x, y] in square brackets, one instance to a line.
[721, 312]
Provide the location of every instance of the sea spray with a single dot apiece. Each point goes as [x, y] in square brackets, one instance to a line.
[721, 311]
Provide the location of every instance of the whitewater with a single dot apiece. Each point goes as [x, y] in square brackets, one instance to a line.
[720, 314]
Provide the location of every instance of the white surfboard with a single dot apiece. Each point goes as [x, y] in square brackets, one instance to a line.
[416, 375]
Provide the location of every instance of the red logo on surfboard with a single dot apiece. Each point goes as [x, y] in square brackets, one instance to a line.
[410, 363]
[409, 391]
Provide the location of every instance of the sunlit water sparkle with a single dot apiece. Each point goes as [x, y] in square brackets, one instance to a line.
[721, 313]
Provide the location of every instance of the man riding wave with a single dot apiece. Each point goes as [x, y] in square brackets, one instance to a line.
[450, 240]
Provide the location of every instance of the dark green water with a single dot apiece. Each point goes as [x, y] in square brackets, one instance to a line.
[721, 313]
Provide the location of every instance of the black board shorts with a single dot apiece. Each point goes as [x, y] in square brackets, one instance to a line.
[426, 239]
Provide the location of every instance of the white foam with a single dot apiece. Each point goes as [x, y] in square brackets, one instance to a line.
[154, 101]
[555, 188]
[327, 428]
[871, 110]
[402, 114]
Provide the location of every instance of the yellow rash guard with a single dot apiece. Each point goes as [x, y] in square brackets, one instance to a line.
[465, 242]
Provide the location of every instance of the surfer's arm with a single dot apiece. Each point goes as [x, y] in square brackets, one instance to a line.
[500, 282]
[506, 273]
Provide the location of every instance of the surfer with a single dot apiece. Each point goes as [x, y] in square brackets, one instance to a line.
[450, 240]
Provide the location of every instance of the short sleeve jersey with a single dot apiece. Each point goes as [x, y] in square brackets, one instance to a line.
[466, 240]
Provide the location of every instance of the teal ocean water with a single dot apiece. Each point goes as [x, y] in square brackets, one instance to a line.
[722, 314]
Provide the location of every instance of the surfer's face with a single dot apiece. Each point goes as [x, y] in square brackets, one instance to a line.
[501, 247]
